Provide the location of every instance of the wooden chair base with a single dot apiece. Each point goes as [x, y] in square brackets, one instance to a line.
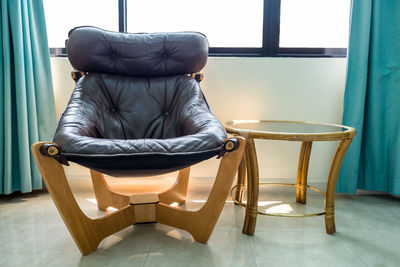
[88, 233]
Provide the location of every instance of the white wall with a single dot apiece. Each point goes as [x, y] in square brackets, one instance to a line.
[306, 89]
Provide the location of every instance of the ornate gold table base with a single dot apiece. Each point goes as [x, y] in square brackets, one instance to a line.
[249, 166]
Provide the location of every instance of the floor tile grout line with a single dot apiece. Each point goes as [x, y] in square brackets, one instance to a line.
[355, 253]
[145, 260]
[253, 257]
[149, 250]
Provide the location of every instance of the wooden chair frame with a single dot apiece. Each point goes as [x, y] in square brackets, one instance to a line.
[88, 233]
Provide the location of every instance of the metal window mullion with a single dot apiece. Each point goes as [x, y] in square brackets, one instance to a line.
[271, 27]
[122, 11]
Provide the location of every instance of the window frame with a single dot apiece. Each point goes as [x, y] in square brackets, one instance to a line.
[270, 39]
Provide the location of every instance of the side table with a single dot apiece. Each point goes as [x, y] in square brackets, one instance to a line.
[305, 132]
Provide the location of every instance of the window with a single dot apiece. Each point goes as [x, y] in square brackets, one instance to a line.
[233, 27]
[226, 23]
[62, 16]
[314, 25]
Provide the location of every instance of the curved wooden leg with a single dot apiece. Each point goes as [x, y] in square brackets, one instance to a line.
[241, 179]
[252, 188]
[201, 223]
[105, 196]
[302, 171]
[177, 193]
[331, 185]
[87, 233]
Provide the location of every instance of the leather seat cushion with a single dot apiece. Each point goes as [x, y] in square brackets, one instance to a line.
[122, 125]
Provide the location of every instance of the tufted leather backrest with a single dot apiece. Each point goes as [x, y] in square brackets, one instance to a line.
[91, 49]
[120, 107]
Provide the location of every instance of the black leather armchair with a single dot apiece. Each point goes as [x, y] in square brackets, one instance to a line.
[137, 112]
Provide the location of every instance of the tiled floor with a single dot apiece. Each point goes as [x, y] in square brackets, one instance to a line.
[368, 234]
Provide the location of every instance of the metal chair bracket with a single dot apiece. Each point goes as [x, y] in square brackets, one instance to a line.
[229, 145]
[52, 150]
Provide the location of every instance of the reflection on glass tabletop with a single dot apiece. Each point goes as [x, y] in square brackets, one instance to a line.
[288, 127]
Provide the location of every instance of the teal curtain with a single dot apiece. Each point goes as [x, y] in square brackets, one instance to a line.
[27, 112]
[372, 98]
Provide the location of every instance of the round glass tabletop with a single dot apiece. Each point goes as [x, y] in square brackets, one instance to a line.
[285, 129]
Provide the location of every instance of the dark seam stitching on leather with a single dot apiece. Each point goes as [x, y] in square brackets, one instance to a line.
[149, 91]
[144, 144]
[164, 107]
[189, 107]
[155, 99]
[96, 114]
[173, 100]
[81, 107]
[165, 53]
[113, 58]
[113, 105]
[175, 92]
[151, 123]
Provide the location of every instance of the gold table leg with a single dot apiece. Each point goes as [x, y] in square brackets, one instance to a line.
[252, 188]
[241, 180]
[302, 171]
[331, 185]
